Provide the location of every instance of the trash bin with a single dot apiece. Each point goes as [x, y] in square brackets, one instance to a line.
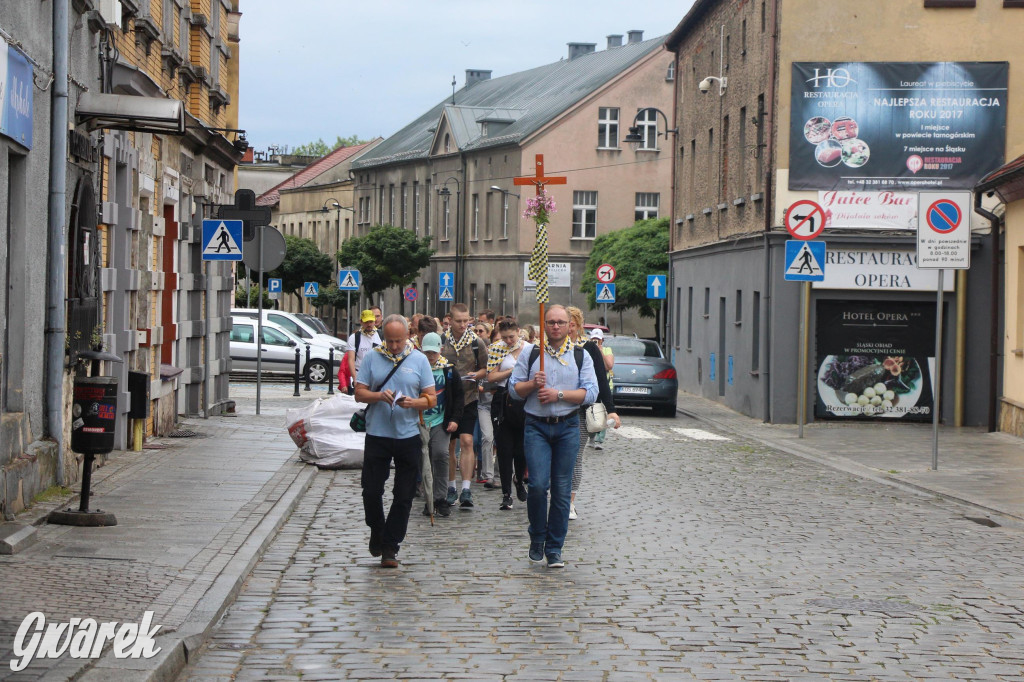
[93, 414]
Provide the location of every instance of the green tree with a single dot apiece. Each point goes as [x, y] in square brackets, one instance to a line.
[386, 257]
[321, 148]
[252, 299]
[634, 252]
[303, 262]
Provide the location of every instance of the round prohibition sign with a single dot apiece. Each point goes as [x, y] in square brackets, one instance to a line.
[805, 214]
[606, 274]
[943, 216]
[411, 294]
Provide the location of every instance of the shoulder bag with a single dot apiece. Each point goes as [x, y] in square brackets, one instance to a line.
[358, 420]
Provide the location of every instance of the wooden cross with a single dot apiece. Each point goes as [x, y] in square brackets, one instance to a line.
[539, 179]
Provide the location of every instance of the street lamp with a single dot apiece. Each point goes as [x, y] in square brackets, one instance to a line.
[447, 193]
[505, 195]
[328, 205]
[635, 137]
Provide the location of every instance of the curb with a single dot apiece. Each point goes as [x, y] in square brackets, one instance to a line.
[179, 647]
[855, 468]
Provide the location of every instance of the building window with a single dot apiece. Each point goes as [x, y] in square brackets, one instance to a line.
[739, 306]
[380, 206]
[646, 206]
[707, 302]
[647, 121]
[584, 215]
[476, 217]
[689, 318]
[405, 205]
[489, 214]
[608, 127]
[504, 215]
[447, 143]
[501, 293]
[426, 211]
[670, 74]
[447, 216]
[416, 208]
[948, 3]
[755, 333]
[391, 204]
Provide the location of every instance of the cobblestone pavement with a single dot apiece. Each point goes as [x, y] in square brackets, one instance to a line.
[692, 559]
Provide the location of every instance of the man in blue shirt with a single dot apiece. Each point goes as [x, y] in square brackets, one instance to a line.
[392, 433]
[552, 432]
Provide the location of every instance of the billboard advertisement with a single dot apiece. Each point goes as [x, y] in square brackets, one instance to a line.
[903, 126]
[875, 360]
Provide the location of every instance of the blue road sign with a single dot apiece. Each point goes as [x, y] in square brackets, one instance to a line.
[606, 293]
[349, 280]
[446, 280]
[805, 261]
[311, 289]
[274, 285]
[222, 240]
[656, 286]
[943, 216]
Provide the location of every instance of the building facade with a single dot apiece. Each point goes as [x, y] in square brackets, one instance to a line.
[771, 118]
[449, 174]
[149, 101]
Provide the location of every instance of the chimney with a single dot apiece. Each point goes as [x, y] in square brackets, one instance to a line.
[635, 36]
[614, 41]
[476, 75]
[580, 49]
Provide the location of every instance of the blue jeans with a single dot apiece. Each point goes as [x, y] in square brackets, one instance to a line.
[550, 457]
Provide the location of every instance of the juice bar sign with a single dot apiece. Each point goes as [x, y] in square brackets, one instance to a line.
[875, 360]
[871, 126]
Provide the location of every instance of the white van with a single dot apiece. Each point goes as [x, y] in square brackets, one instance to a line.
[296, 325]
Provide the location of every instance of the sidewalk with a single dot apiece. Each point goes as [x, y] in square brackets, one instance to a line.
[194, 515]
[982, 469]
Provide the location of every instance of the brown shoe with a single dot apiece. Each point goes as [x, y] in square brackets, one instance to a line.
[389, 560]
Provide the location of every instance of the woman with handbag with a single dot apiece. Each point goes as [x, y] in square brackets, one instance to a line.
[506, 413]
[596, 421]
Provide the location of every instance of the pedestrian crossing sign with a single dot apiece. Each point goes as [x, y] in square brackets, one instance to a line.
[606, 293]
[348, 280]
[445, 294]
[222, 240]
[311, 289]
[805, 261]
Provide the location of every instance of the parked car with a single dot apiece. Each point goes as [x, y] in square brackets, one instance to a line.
[643, 375]
[298, 326]
[278, 351]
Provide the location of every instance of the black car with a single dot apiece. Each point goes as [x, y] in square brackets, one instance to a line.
[643, 375]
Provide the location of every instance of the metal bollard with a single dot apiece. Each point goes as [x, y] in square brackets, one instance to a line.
[297, 365]
[307, 367]
[330, 373]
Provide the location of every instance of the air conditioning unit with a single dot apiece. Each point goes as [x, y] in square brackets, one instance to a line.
[110, 10]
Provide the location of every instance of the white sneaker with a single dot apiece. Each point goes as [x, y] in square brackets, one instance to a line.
[590, 444]
[598, 446]
[572, 512]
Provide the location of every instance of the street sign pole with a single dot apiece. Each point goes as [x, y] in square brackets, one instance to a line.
[938, 373]
[248, 287]
[805, 324]
[259, 326]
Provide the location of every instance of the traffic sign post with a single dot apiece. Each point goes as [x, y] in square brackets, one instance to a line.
[805, 261]
[943, 241]
[606, 274]
[222, 240]
[805, 219]
[446, 286]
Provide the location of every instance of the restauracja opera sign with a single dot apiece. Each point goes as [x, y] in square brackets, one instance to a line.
[878, 269]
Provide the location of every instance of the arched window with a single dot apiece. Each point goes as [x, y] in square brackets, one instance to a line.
[83, 269]
[447, 143]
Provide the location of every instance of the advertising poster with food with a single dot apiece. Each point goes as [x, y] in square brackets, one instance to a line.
[871, 126]
[875, 360]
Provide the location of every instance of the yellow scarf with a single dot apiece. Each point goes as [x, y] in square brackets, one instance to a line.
[442, 363]
[498, 351]
[557, 354]
[383, 350]
[467, 338]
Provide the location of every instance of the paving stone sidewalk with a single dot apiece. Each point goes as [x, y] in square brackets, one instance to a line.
[194, 515]
[980, 468]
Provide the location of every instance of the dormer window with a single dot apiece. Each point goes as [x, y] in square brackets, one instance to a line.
[447, 143]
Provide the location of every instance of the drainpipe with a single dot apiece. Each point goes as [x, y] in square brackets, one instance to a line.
[56, 267]
[993, 361]
[769, 152]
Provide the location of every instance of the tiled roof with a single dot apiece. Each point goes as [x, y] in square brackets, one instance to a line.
[526, 101]
[273, 195]
[1001, 175]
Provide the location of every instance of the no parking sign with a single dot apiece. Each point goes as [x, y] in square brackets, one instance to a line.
[944, 230]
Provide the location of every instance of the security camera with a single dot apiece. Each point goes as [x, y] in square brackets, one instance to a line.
[705, 85]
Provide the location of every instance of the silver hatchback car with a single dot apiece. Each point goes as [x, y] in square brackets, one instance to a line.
[643, 375]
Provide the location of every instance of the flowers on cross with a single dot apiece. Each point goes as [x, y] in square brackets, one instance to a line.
[540, 208]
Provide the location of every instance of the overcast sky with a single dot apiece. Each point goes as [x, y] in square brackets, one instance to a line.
[323, 68]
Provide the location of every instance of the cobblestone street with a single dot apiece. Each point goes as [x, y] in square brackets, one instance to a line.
[693, 557]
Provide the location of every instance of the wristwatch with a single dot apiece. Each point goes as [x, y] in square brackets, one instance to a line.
[561, 395]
